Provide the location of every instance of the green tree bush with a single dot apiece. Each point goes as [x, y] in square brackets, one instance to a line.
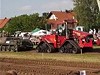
[25, 23]
[87, 13]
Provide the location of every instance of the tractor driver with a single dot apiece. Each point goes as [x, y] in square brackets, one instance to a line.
[61, 30]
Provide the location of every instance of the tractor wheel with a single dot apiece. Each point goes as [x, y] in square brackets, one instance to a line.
[50, 48]
[67, 47]
[74, 51]
[44, 47]
[39, 48]
[61, 50]
[70, 48]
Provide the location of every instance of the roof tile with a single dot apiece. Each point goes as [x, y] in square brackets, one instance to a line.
[3, 22]
[61, 16]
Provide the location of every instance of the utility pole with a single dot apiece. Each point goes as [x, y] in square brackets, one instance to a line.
[98, 2]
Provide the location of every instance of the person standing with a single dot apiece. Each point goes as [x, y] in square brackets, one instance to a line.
[91, 31]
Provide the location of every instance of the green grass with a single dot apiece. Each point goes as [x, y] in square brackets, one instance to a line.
[96, 47]
[93, 57]
[52, 56]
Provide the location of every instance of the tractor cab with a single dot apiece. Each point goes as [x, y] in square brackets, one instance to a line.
[63, 29]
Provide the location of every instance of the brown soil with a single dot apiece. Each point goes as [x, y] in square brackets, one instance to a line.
[47, 67]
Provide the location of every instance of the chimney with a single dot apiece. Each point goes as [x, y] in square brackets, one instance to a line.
[67, 11]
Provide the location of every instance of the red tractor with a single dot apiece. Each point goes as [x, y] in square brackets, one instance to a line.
[65, 40]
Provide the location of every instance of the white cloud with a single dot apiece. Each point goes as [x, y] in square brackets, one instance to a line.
[59, 5]
[26, 8]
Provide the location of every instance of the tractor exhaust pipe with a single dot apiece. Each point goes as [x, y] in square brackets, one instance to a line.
[66, 27]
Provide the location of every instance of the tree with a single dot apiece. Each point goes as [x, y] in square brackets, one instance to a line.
[25, 23]
[87, 12]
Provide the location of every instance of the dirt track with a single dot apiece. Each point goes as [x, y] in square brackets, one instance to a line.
[47, 67]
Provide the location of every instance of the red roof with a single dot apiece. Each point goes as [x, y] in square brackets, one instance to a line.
[62, 16]
[3, 22]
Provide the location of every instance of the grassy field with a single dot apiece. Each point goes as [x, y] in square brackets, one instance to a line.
[53, 56]
[85, 57]
[96, 47]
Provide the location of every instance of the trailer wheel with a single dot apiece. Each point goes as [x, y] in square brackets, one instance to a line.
[7, 48]
[3, 48]
[16, 48]
[12, 48]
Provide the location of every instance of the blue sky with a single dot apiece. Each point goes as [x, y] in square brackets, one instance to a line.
[11, 8]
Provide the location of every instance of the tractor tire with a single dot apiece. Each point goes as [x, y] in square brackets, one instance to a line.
[45, 48]
[50, 48]
[71, 49]
[39, 48]
[74, 51]
[62, 50]
[70, 46]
